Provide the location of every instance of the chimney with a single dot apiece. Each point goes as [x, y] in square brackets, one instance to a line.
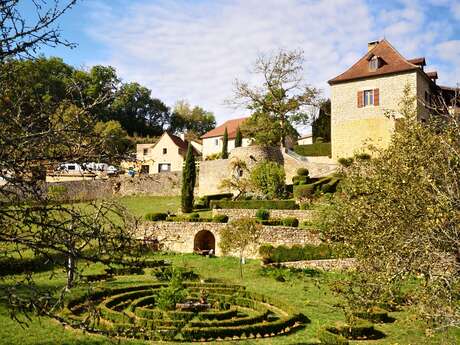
[182, 136]
[371, 45]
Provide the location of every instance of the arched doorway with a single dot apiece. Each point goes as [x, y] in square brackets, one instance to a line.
[204, 241]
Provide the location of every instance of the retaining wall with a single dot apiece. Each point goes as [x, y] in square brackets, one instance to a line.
[232, 213]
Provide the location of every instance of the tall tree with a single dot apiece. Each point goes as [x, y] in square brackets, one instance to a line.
[225, 145]
[321, 126]
[238, 138]
[194, 121]
[283, 98]
[188, 181]
[399, 214]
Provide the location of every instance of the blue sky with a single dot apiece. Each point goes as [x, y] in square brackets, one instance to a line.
[194, 50]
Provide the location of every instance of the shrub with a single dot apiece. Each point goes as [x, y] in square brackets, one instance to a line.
[200, 204]
[363, 156]
[298, 253]
[331, 186]
[302, 172]
[304, 191]
[220, 218]
[305, 206]
[346, 162]
[172, 294]
[269, 178]
[221, 196]
[262, 214]
[266, 251]
[194, 216]
[313, 150]
[328, 338]
[291, 221]
[271, 222]
[156, 216]
[300, 180]
[255, 204]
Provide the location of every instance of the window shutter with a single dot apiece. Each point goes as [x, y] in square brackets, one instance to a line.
[376, 97]
[360, 99]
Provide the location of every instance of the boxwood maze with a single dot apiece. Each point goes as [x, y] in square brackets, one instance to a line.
[131, 312]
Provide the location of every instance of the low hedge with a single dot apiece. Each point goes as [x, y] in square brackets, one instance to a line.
[375, 315]
[203, 202]
[313, 150]
[360, 330]
[220, 218]
[156, 216]
[262, 214]
[296, 253]
[255, 204]
[328, 338]
[291, 221]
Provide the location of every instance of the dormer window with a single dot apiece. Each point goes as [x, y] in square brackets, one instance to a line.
[374, 63]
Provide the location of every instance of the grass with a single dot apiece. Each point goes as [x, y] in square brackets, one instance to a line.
[309, 293]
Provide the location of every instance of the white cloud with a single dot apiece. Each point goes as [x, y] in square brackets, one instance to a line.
[195, 50]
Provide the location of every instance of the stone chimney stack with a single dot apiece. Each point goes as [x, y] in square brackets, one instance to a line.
[371, 45]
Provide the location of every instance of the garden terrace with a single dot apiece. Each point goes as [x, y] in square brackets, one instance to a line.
[235, 313]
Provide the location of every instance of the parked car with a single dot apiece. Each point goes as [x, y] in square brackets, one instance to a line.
[111, 170]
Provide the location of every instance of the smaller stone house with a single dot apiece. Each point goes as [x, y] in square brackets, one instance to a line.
[212, 140]
[168, 154]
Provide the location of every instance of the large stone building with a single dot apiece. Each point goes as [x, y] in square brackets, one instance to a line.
[374, 85]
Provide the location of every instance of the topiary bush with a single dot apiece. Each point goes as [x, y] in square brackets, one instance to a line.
[300, 180]
[194, 216]
[220, 218]
[303, 172]
[304, 192]
[291, 221]
[262, 214]
[156, 216]
[346, 162]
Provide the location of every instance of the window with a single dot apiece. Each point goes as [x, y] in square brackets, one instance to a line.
[368, 97]
[146, 152]
[216, 142]
[164, 167]
[374, 63]
[165, 150]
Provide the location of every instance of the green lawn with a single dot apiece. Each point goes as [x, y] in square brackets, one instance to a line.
[308, 293]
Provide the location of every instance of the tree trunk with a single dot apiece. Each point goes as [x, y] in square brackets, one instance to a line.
[70, 271]
[241, 267]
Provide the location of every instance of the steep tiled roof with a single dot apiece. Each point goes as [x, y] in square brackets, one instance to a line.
[392, 62]
[231, 125]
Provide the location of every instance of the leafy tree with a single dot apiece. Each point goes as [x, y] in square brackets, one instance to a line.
[225, 145]
[239, 181]
[238, 236]
[283, 98]
[188, 181]
[238, 138]
[113, 137]
[321, 126]
[194, 121]
[399, 214]
[172, 294]
[43, 125]
[268, 178]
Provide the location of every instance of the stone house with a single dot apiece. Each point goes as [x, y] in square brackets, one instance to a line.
[212, 140]
[168, 154]
[374, 85]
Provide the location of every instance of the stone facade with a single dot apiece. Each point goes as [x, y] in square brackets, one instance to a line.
[301, 215]
[164, 184]
[181, 236]
[325, 265]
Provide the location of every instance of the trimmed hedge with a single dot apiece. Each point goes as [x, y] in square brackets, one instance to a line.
[296, 253]
[203, 202]
[300, 180]
[313, 150]
[262, 214]
[220, 218]
[291, 221]
[155, 216]
[255, 204]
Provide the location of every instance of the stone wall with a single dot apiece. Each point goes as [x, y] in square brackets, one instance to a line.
[180, 236]
[211, 174]
[164, 184]
[325, 265]
[232, 213]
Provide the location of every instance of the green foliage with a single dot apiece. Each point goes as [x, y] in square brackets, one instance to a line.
[303, 172]
[238, 138]
[321, 126]
[346, 162]
[188, 181]
[302, 192]
[256, 204]
[225, 145]
[155, 216]
[114, 137]
[220, 218]
[207, 198]
[174, 293]
[313, 150]
[397, 212]
[194, 216]
[297, 253]
[291, 221]
[268, 178]
[194, 121]
[262, 214]
[362, 156]
[300, 180]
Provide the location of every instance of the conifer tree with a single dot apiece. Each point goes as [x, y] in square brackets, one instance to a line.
[225, 145]
[239, 138]
[188, 181]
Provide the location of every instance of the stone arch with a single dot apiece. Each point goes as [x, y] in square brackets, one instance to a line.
[204, 240]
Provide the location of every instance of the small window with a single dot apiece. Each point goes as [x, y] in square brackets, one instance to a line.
[374, 63]
[165, 150]
[146, 152]
[216, 142]
[368, 97]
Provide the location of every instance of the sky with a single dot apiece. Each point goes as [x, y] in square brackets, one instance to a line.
[195, 49]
